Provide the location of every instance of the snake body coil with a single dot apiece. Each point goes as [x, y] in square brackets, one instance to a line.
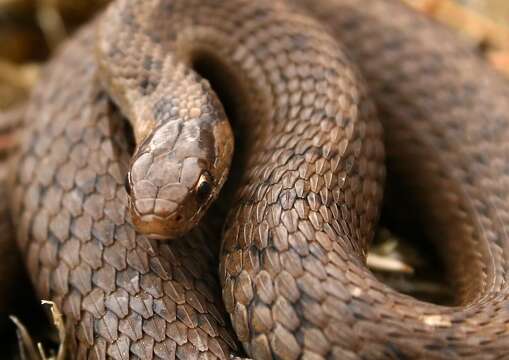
[293, 272]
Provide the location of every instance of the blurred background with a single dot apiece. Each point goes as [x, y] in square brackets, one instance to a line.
[30, 30]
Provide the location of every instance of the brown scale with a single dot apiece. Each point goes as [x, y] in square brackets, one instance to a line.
[293, 271]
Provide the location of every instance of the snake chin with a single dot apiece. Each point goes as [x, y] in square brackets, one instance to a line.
[160, 228]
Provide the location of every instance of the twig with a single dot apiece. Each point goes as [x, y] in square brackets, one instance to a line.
[25, 341]
[388, 264]
[51, 23]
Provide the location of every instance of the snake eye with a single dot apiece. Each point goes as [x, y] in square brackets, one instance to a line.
[204, 187]
[127, 184]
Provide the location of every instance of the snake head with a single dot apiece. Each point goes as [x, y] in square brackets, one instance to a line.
[176, 173]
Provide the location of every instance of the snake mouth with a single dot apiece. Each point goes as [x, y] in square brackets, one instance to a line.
[160, 228]
[150, 218]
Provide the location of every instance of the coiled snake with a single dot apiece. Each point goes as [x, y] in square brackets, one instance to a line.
[292, 263]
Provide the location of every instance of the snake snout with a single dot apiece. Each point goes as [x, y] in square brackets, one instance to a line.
[160, 224]
[155, 207]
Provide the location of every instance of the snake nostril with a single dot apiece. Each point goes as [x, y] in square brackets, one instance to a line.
[178, 218]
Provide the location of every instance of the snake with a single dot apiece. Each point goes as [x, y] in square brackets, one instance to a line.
[139, 120]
